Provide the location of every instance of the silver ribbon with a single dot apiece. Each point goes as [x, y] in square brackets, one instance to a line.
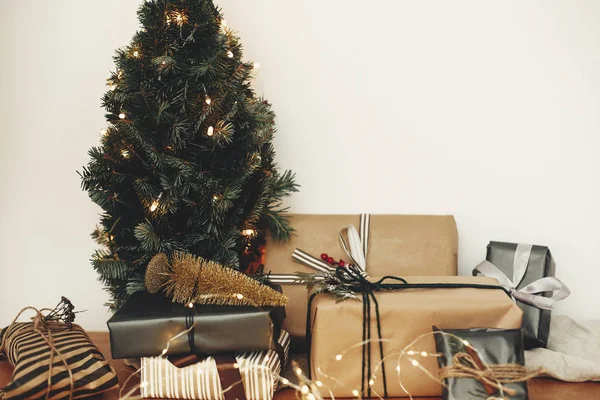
[532, 293]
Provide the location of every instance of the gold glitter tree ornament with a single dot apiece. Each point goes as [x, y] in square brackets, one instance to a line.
[190, 279]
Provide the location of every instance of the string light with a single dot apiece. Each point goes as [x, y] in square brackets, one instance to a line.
[236, 365]
[304, 389]
[154, 206]
[310, 396]
[256, 65]
[191, 305]
[248, 232]
[298, 371]
[112, 88]
[338, 357]
[125, 153]
[424, 354]
[239, 296]
[466, 343]
[210, 131]
[122, 115]
[414, 363]
[284, 381]
[215, 198]
[410, 353]
[371, 382]
[319, 383]
[136, 53]
[230, 54]
[355, 393]
[208, 100]
[104, 132]
[223, 24]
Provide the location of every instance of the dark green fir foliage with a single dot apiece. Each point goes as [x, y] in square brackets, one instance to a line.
[187, 162]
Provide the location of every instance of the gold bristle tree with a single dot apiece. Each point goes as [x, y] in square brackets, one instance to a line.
[191, 279]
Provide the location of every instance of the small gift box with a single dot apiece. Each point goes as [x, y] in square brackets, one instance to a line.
[405, 245]
[404, 312]
[243, 376]
[527, 272]
[482, 363]
[53, 358]
[146, 322]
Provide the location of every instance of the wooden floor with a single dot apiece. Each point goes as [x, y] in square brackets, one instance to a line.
[539, 389]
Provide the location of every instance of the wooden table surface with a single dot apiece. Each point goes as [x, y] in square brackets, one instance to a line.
[539, 389]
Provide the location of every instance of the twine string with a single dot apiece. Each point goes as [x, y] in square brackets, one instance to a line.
[495, 375]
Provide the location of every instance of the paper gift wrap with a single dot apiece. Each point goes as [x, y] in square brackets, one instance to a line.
[528, 271]
[146, 322]
[405, 315]
[250, 374]
[400, 245]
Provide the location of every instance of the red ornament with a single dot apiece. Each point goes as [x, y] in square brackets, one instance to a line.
[341, 263]
[324, 256]
[330, 260]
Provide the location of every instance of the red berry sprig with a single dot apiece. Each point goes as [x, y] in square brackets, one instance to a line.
[329, 260]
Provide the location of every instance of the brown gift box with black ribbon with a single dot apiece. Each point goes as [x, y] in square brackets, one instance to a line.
[336, 356]
[399, 245]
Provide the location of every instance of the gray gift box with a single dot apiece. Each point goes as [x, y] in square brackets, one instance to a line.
[535, 292]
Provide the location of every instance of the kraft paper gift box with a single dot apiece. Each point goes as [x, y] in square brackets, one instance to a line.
[405, 315]
[400, 245]
[248, 375]
[528, 271]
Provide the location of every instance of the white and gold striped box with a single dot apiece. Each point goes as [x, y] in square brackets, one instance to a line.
[259, 371]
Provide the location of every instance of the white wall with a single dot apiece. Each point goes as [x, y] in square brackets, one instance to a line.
[486, 110]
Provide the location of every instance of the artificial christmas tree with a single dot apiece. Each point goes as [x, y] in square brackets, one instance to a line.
[187, 162]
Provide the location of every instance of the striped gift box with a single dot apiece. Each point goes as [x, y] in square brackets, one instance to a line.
[259, 371]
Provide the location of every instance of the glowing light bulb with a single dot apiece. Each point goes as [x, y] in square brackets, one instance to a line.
[424, 354]
[179, 18]
[136, 54]
[415, 363]
[338, 357]
[191, 305]
[239, 296]
[223, 24]
[104, 132]
[230, 54]
[466, 343]
[168, 19]
[208, 100]
[319, 383]
[154, 206]
[248, 232]
[125, 153]
[163, 62]
[398, 368]
[256, 65]
[304, 389]
[122, 115]
[410, 352]
[215, 197]
[371, 382]
[210, 131]
[236, 365]
[298, 371]
[284, 381]
[355, 393]
[310, 396]
[112, 88]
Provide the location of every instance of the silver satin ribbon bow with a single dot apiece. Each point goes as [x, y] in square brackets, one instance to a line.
[355, 248]
[532, 293]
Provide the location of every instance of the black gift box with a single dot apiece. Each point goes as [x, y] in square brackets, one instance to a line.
[495, 346]
[536, 322]
[143, 326]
